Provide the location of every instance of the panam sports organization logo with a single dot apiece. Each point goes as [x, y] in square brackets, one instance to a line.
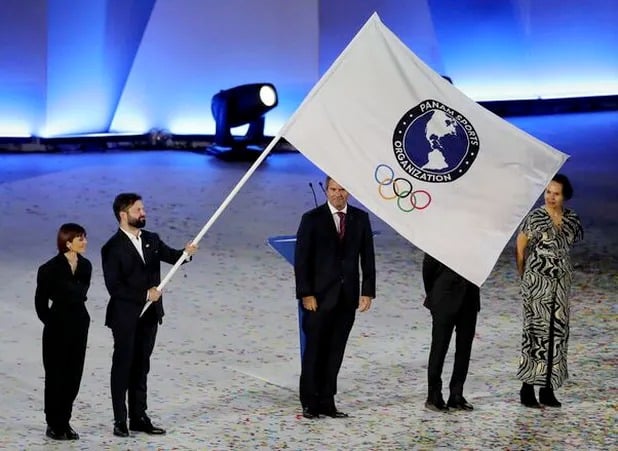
[432, 143]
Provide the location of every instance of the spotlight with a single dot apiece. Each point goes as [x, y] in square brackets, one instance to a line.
[160, 139]
[244, 104]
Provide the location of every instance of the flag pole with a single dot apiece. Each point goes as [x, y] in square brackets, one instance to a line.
[216, 215]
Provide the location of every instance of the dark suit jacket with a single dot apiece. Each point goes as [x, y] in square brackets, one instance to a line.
[446, 290]
[327, 267]
[128, 278]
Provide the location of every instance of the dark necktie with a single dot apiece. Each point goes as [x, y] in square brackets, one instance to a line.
[341, 224]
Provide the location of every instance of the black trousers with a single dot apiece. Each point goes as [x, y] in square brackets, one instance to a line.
[464, 324]
[133, 345]
[65, 336]
[326, 333]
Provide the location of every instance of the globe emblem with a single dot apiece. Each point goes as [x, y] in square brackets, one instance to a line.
[435, 143]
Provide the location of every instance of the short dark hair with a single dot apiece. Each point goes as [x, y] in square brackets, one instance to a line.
[330, 179]
[68, 232]
[123, 202]
[327, 181]
[567, 188]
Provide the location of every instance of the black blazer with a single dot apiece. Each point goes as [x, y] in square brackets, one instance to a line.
[327, 267]
[128, 278]
[446, 290]
[57, 283]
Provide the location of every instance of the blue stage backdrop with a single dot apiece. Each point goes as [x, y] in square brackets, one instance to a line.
[70, 66]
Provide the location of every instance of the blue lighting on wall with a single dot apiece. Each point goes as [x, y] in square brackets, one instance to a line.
[74, 67]
[14, 129]
[529, 50]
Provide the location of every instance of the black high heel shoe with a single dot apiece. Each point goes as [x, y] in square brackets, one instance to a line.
[527, 396]
[547, 398]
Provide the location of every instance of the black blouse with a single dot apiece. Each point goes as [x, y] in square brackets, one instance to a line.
[57, 283]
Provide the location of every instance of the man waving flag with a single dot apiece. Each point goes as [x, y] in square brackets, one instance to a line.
[448, 175]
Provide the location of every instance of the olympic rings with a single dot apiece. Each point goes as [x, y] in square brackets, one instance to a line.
[375, 174]
[427, 201]
[404, 194]
[399, 193]
[382, 195]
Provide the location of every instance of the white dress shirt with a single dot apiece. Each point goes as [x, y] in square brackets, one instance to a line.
[137, 242]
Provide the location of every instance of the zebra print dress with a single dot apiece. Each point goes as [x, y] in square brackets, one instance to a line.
[545, 289]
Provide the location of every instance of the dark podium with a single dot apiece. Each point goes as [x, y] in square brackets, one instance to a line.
[284, 245]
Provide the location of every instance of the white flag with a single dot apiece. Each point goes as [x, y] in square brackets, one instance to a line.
[448, 175]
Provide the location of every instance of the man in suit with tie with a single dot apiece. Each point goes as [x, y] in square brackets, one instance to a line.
[454, 303]
[331, 241]
[132, 270]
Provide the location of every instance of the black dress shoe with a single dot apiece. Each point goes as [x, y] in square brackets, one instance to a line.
[56, 434]
[547, 398]
[436, 404]
[120, 429]
[527, 396]
[70, 432]
[334, 413]
[459, 403]
[328, 407]
[310, 414]
[144, 425]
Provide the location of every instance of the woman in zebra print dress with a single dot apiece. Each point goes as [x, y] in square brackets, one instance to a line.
[544, 265]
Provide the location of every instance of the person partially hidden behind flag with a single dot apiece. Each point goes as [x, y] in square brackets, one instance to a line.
[454, 303]
[331, 241]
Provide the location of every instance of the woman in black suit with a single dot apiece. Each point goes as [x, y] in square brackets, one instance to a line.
[64, 280]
